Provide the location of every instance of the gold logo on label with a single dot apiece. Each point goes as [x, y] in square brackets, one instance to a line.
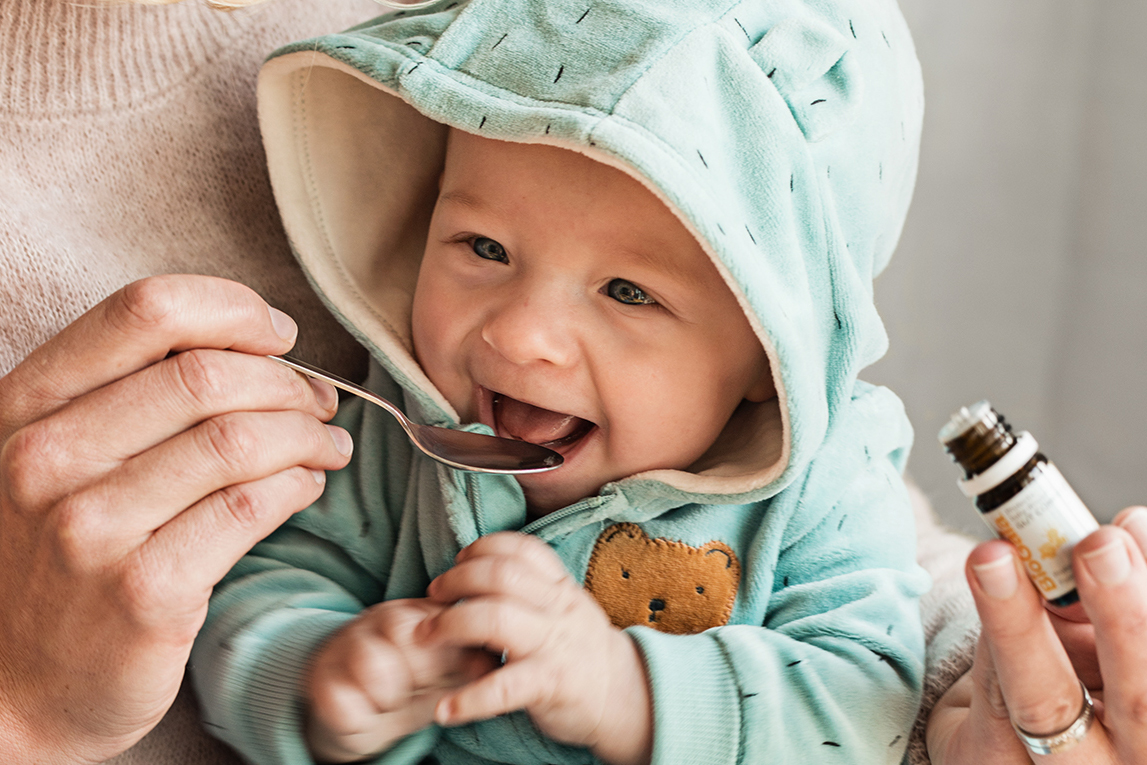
[1055, 540]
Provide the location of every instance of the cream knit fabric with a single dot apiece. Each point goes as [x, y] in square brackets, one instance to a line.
[129, 147]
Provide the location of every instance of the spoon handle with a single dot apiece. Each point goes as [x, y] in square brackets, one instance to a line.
[343, 384]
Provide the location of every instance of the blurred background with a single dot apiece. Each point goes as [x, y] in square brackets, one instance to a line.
[1020, 276]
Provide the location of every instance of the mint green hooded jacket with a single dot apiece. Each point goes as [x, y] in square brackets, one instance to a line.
[784, 135]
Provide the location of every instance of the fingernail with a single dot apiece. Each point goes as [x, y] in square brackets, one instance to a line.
[285, 326]
[325, 394]
[443, 712]
[998, 578]
[1109, 564]
[320, 476]
[1135, 524]
[343, 442]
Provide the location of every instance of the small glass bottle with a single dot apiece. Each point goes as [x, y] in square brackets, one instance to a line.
[1021, 496]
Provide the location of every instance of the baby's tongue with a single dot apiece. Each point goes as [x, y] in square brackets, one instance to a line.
[531, 423]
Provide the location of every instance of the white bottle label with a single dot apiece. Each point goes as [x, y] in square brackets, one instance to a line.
[1044, 521]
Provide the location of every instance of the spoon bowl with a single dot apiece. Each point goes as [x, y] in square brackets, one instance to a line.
[458, 449]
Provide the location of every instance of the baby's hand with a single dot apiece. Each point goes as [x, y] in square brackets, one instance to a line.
[580, 679]
[374, 682]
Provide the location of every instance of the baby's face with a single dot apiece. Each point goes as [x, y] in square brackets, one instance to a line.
[560, 302]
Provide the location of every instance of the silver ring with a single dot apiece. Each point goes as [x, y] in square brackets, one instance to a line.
[1066, 738]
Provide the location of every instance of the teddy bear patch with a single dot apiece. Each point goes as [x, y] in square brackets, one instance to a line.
[669, 586]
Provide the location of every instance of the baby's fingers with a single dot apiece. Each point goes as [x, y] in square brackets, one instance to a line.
[513, 687]
[529, 549]
[495, 623]
[499, 575]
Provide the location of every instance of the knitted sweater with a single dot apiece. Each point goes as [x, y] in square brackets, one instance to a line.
[129, 147]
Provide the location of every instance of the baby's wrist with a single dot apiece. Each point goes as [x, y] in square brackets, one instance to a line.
[627, 734]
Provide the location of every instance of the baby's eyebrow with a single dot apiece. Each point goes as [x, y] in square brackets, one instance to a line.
[461, 197]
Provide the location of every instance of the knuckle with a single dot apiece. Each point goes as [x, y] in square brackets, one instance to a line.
[242, 504]
[1046, 715]
[142, 590]
[26, 460]
[146, 305]
[202, 376]
[1132, 713]
[78, 520]
[504, 573]
[230, 441]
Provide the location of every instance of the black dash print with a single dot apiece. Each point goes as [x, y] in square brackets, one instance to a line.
[852, 29]
[561, 69]
[818, 101]
[411, 69]
[580, 18]
[482, 123]
[344, 47]
[593, 143]
[750, 233]
[829, 743]
[867, 454]
[836, 316]
[414, 44]
[748, 695]
[886, 39]
[828, 174]
[702, 156]
[722, 230]
[794, 663]
[786, 581]
[843, 518]
[771, 73]
[547, 129]
[791, 178]
[895, 740]
[889, 630]
[503, 37]
[742, 26]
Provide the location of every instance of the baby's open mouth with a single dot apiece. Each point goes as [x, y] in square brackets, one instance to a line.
[526, 422]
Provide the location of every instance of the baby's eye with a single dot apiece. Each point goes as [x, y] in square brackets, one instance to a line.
[629, 293]
[489, 249]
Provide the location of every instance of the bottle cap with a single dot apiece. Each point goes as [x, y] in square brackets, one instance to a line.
[963, 421]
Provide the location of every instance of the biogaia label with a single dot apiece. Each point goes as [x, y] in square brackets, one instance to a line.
[1044, 521]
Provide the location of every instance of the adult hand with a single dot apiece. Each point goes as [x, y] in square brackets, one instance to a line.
[144, 450]
[581, 680]
[374, 682]
[1030, 661]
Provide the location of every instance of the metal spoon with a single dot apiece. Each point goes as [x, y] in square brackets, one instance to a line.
[457, 448]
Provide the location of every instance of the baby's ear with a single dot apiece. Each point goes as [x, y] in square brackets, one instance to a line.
[763, 388]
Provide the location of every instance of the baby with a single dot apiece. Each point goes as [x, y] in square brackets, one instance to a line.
[645, 239]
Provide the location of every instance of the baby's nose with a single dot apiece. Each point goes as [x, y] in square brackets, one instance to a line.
[525, 331]
[657, 604]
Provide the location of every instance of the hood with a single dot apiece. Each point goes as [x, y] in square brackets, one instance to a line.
[784, 134]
